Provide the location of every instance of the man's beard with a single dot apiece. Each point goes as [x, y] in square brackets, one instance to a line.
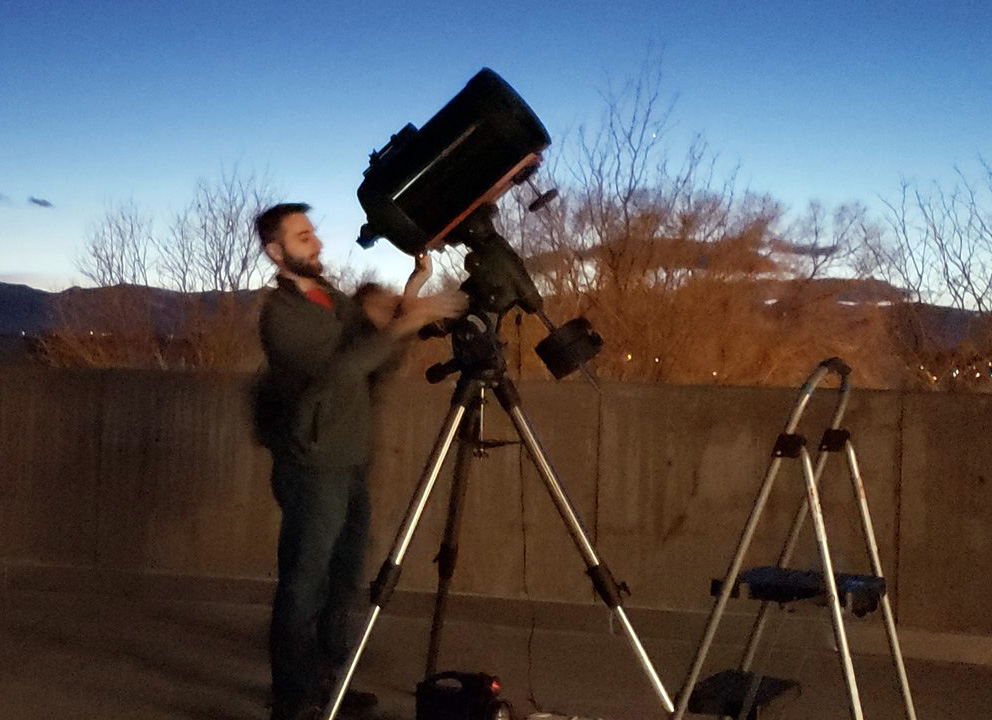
[303, 267]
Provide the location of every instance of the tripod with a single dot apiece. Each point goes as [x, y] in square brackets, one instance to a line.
[479, 359]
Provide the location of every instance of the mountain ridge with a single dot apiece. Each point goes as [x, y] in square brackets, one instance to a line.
[28, 311]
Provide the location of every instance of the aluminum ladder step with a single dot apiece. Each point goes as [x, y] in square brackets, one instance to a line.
[858, 593]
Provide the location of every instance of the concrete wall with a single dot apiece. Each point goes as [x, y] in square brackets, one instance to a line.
[106, 472]
[132, 471]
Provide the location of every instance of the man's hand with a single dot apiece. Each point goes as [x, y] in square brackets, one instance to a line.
[418, 278]
[417, 312]
[423, 266]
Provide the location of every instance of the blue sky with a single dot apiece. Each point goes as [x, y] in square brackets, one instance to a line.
[102, 102]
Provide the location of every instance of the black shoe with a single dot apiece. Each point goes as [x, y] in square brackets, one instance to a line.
[354, 700]
[357, 701]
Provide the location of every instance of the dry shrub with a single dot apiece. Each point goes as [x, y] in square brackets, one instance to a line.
[942, 348]
[130, 326]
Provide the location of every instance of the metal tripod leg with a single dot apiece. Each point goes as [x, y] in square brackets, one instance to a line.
[389, 573]
[603, 581]
[876, 567]
[447, 554]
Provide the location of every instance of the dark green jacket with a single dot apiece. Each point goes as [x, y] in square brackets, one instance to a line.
[314, 400]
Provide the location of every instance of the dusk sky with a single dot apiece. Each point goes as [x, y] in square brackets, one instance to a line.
[103, 102]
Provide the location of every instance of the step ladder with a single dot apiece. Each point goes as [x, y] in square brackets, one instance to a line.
[744, 694]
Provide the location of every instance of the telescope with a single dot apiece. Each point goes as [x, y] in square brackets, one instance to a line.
[424, 183]
[438, 185]
[425, 189]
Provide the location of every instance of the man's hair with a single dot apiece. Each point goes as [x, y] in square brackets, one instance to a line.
[369, 288]
[267, 222]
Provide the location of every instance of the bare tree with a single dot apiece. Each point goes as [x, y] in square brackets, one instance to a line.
[822, 242]
[117, 247]
[937, 245]
[208, 256]
[178, 253]
[676, 268]
[901, 256]
[211, 243]
[958, 225]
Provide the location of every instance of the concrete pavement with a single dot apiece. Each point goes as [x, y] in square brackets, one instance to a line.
[99, 657]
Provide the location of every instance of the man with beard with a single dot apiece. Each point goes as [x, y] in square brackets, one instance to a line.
[314, 412]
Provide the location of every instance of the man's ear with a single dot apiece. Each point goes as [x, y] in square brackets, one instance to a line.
[274, 251]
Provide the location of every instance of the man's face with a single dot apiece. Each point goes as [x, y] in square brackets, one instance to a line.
[298, 250]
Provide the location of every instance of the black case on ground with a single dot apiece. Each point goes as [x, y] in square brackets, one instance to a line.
[453, 695]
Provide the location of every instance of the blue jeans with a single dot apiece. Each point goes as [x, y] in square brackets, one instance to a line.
[322, 544]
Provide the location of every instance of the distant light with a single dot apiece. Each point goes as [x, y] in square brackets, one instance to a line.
[714, 373]
[91, 332]
[659, 360]
[629, 356]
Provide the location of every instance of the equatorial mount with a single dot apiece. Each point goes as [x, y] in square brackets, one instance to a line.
[477, 351]
[542, 198]
[497, 282]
